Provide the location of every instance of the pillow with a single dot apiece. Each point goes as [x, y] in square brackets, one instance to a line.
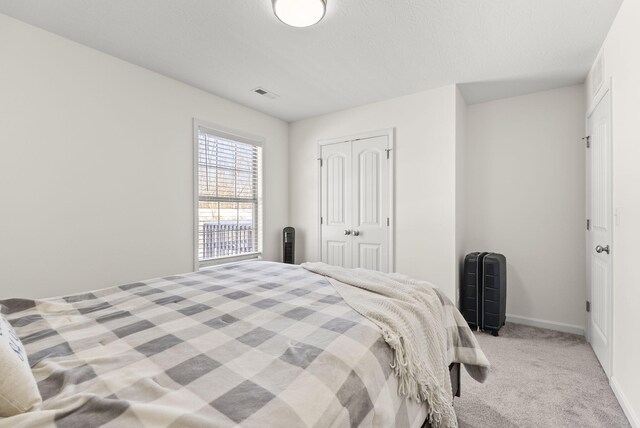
[18, 390]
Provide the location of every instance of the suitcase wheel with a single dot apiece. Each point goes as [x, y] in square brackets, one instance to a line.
[494, 333]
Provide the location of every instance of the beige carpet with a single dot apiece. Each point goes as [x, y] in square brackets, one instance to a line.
[539, 378]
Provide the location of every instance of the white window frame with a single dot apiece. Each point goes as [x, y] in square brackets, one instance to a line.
[241, 137]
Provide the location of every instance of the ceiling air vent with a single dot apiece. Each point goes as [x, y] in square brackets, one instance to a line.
[265, 93]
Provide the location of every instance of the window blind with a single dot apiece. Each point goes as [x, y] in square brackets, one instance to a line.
[229, 197]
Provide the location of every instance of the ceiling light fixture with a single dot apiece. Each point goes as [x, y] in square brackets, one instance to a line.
[300, 13]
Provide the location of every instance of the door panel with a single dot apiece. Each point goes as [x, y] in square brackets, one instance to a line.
[336, 183]
[600, 195]
[600, 233]
[370, 256]
[369, 188]
[336, 253]
[336, 204]
[599, 275]
[371, 204]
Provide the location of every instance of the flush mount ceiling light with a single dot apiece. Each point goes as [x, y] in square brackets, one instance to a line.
[299, 13]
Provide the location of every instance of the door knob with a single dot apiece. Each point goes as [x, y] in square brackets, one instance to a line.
[600, 249]
[347, 232]
[356, 233]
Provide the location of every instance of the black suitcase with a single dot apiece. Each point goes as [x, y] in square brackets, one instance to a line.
[483, 294]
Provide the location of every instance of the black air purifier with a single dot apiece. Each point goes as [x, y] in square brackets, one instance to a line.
[288, 245]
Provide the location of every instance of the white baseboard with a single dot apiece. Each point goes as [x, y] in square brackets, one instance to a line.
[551, 325]
[634, 420]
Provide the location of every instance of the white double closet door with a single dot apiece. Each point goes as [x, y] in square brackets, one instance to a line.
[355, 203]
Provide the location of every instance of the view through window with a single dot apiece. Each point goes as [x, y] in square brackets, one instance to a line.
[229, 197]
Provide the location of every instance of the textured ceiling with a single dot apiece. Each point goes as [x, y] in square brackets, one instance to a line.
[363, 51]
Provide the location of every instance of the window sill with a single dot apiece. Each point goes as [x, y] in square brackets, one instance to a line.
[228, 259]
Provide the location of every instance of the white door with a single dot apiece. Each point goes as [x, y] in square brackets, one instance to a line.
[599, 235]
[355, 203]
[370, 204]
[336, 204]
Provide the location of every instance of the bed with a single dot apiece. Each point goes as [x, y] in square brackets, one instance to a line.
[249, 344]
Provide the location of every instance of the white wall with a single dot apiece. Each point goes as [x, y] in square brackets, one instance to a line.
[424, 183]
[96, 167]
[525, 181]
[622, 64]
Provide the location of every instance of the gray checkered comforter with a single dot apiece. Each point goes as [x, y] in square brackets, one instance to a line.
[254, 344]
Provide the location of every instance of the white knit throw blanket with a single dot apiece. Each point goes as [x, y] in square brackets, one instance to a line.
[411, 318]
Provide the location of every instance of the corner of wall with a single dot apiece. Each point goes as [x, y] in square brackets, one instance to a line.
[460, 188]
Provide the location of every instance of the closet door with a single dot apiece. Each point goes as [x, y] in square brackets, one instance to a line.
[355, 203]
[369, 223]
[336, 204]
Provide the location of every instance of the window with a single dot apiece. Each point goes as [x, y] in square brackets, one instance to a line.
[229, 196]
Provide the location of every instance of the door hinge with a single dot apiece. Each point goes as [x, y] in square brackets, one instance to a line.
[320, 159]
[588, 224]
[588, 306]
[387, 221]
[387, 150]
[588, 139]
[321, 220]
